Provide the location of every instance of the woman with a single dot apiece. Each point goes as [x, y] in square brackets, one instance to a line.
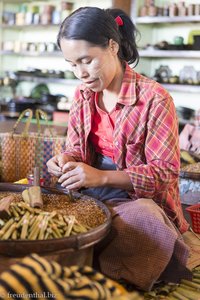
[122, 148]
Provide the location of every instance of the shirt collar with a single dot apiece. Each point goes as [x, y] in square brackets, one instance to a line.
[127, 94]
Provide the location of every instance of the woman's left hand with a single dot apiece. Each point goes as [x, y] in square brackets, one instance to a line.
[78, 174]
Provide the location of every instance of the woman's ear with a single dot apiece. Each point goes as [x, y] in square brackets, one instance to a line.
[114, 46]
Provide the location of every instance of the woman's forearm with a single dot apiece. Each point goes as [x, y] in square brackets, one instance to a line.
[116, 179]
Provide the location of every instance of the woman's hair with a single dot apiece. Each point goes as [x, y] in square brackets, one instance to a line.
[97, 26]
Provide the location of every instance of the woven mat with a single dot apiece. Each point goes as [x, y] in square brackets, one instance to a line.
[193, 242]
[165, 291]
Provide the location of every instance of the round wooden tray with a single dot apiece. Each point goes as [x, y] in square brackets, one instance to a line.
[18, 248]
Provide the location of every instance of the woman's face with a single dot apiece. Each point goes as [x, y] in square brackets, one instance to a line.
[96, 67]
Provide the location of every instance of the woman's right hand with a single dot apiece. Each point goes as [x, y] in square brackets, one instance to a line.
[56, 163]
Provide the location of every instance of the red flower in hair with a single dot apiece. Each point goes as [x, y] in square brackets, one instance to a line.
[119, 21]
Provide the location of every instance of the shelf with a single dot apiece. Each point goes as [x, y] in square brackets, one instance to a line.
[168, 20]
[170, 53]
[186, 88]
[19, 1]
[143, 53]
[33, 54]
[6, 26]
[65, 81]
[169, 87]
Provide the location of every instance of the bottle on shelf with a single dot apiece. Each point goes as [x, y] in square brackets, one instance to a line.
[173, 10]
[46, 16]
[66, 8]
[182, 9]
[20, 17]
[36, 14]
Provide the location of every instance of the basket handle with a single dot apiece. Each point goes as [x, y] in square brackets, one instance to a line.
[40, 114]
[27, 123]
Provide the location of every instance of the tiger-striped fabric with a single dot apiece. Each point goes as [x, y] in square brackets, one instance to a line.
[35, 277]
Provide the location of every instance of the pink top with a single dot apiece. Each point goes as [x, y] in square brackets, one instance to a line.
[101, 134]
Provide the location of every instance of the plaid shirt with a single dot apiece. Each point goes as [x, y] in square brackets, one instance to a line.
[145, 139]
